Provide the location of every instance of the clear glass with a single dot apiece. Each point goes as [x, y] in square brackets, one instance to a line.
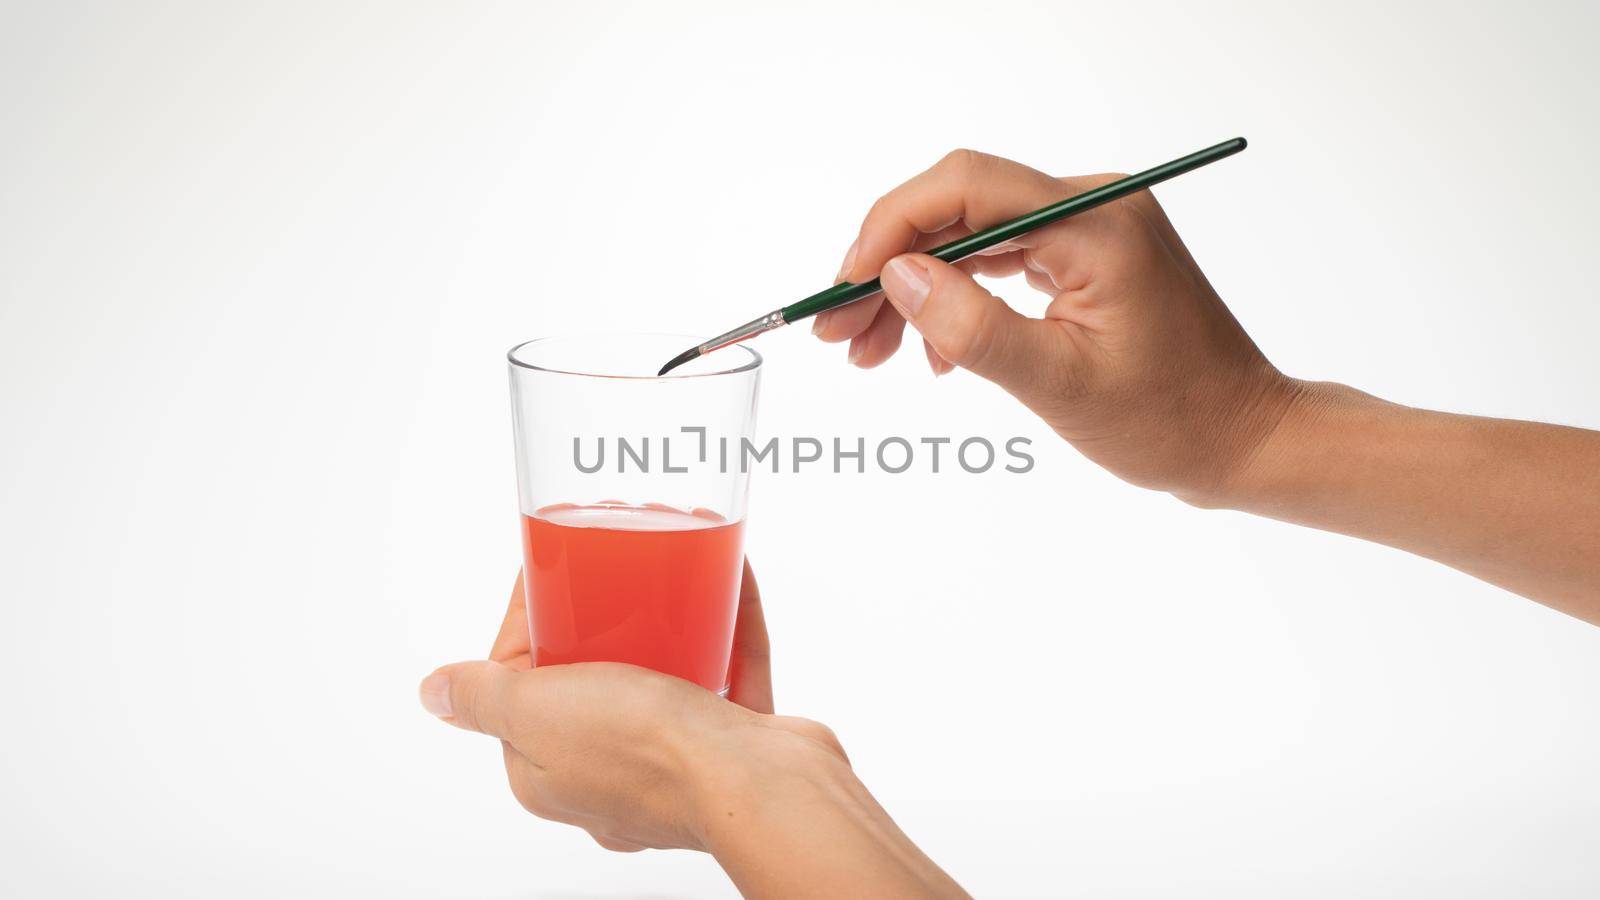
[633, 499]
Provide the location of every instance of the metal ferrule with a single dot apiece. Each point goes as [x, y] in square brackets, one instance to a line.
[746, 331]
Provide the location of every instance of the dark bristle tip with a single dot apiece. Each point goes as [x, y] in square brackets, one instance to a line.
[679, 360]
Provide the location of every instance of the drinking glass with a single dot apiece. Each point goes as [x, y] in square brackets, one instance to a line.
[632, 490]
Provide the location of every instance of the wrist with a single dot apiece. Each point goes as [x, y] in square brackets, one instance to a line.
[783, 814]
[1226, 448]
[754, 777]
[1304, 428]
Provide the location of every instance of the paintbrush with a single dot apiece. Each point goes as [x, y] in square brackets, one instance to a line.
[961, 248]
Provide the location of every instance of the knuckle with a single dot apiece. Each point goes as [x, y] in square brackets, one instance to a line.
[822, 734]
[880, 207]
[519, 707]
[529, 798]
[967, 167]
[469, 697]
[1121, 212]
[753, 650]
[960, 158]
[1122, 216]
[615, 845]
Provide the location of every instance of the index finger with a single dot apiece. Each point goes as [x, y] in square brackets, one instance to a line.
[965, 186]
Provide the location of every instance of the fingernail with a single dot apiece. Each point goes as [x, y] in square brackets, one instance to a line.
[816, 323]
[857, 347]
[435, 694]
[907, 284]
[849, 261]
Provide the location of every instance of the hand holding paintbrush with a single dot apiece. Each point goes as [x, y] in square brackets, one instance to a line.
[1135, 360]
[848, 292]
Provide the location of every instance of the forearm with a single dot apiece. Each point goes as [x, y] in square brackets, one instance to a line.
[804, 826]
[1514, 503]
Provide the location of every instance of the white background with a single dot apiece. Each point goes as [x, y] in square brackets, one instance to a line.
[258, 268]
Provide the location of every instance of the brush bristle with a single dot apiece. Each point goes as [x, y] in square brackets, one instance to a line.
[679, 360]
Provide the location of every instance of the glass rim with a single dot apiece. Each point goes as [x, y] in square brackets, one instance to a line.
[750, 363]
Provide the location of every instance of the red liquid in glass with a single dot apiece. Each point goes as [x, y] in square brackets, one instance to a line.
[648, 585]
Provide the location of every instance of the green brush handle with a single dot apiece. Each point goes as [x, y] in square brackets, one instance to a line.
[961, 248]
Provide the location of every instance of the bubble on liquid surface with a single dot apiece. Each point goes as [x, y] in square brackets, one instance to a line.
[628, 517]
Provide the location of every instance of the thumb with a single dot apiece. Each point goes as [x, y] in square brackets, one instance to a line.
[971, 327]
[478, 696]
